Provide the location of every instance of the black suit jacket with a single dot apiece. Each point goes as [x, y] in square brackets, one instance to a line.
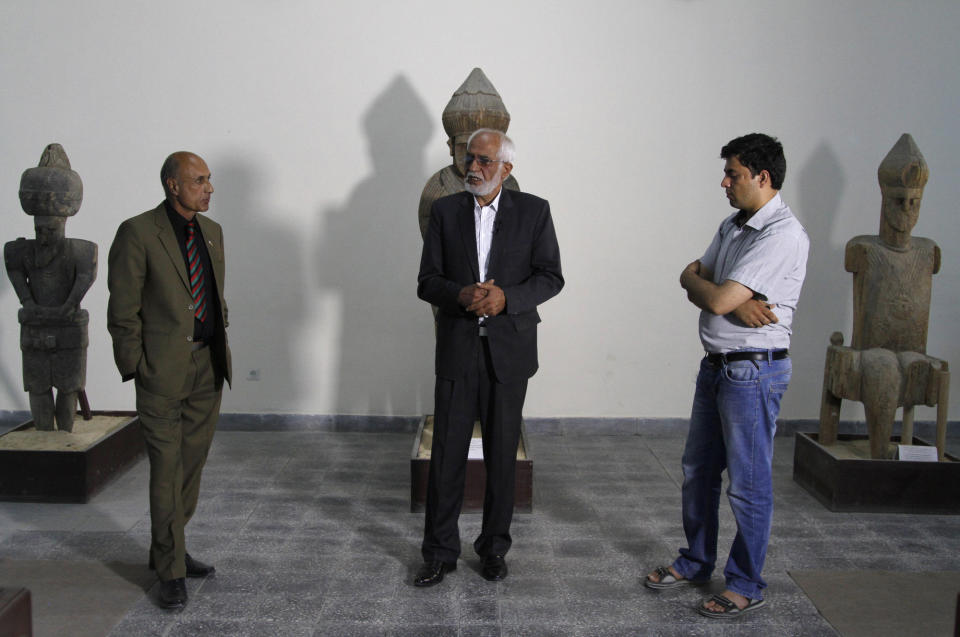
[524, 261]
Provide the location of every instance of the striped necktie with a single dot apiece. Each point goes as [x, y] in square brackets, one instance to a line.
[196, 273]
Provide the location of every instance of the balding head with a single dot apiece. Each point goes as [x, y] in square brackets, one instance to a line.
[186, 183]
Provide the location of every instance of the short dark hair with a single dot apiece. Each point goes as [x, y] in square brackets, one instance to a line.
[169, 170]
[759, 152]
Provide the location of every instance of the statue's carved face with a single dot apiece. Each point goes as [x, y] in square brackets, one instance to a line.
[901, 207]
[458, 150]
[191, 190]
[50, 230]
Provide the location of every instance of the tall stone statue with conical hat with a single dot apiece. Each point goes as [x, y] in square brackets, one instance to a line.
[886, 365]
[50, 275]
[476, 104]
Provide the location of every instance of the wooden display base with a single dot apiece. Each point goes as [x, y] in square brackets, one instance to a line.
[476, 473]
[15, 617]
[843, 477]
[60, 466]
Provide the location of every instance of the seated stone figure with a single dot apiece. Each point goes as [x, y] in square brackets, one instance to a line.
[886, 365]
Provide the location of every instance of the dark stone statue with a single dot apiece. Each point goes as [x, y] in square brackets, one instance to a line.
[886, 365]
[50, 275]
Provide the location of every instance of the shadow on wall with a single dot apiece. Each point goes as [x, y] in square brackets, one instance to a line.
[826, 296]
[264, 287]
[368, 253]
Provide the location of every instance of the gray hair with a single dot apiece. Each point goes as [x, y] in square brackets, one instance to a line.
[508, 151]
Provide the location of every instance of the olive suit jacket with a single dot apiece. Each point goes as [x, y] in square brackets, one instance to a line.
[524, 262]
[150, 311]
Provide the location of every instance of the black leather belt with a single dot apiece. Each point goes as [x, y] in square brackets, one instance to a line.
[717, 359]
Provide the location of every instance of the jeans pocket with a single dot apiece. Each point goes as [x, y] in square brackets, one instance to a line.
[741, 372]
[778, 389]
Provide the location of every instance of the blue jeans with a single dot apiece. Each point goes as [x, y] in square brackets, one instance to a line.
[731, 427]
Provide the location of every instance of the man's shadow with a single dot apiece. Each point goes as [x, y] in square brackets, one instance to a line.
[827, 294]
[368, 255]
[263, 289]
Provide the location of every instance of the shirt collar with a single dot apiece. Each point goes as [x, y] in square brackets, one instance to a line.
[760, 218]
[493, 204]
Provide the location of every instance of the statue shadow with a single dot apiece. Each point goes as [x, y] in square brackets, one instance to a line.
[10, 354]
[368, 255]
[827, 297]
[264, 287]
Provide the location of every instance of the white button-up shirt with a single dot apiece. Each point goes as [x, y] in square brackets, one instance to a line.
[484, 223]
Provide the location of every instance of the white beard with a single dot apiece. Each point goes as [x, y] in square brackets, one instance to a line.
[482, 189]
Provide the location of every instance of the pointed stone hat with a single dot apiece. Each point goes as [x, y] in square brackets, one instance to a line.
[904, 166]
[476, 104]
[51, 189]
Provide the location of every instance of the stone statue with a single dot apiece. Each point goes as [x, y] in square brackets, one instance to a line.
[50, 275]
[476, 104]
[886, 365]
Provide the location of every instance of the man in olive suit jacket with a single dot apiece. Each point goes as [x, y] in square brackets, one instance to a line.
[167, 317]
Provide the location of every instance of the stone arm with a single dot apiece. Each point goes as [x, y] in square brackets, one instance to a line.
[126, 273]
[14, 258]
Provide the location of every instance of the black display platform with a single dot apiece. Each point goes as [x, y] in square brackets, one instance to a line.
[875, 486]
[39, 475]
[476, 479]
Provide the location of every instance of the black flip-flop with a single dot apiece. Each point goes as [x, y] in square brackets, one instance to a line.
[730, 610]
[668, 580]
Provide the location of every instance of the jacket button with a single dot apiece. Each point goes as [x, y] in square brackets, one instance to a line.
[189, 339]
[190, 307]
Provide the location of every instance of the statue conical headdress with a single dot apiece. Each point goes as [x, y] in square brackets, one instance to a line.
[52, 188]
[476, 104]
[904, 166]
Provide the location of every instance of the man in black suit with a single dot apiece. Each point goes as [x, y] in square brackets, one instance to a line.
[490, 257]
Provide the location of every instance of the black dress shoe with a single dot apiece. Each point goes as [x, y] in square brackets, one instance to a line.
[195, 568]
[432, 573]
[173, 593]
[493, 568]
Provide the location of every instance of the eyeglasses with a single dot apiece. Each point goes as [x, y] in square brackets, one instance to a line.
[483, 161]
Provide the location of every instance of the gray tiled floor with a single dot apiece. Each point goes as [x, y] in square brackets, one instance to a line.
[311, 534]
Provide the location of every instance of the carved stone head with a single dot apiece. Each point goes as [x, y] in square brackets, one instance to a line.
[476, 104]
[902, 174]
[51, 189]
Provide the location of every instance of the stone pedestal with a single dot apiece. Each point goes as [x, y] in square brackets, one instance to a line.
[476, 473]
[59, 466]
[843, 477]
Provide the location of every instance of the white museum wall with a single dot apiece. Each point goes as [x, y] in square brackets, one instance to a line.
[321, 123]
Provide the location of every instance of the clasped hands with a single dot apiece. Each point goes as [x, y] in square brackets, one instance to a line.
[482, 299]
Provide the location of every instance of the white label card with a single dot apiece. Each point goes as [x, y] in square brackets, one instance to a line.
[918, 453]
